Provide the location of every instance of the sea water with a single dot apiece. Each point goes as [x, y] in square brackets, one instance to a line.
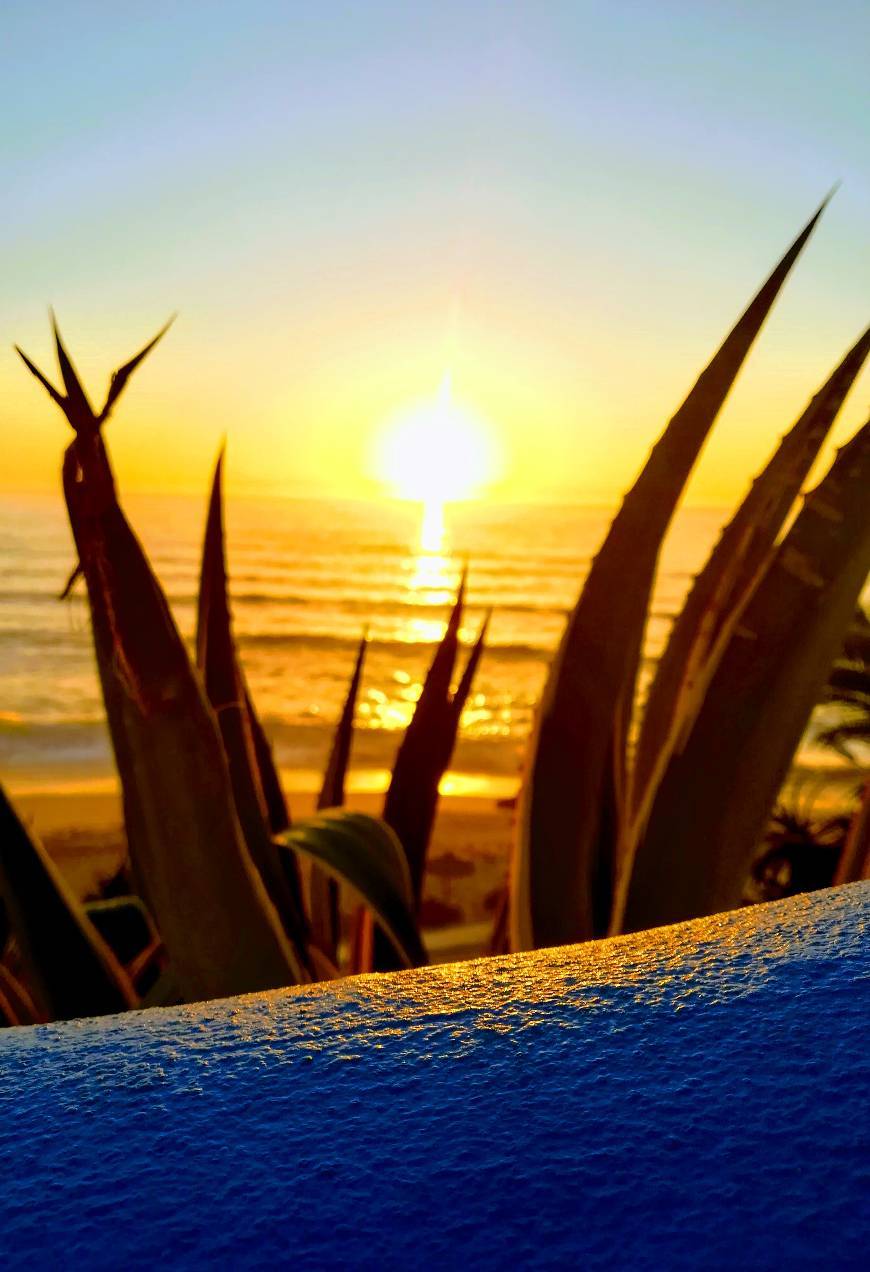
[307, 577]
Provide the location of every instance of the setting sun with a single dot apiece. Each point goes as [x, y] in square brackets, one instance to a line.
[435, 451]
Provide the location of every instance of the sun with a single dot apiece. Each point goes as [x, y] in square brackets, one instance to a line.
[436, 451]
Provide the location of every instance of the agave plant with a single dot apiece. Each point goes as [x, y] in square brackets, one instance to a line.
[605, 840]
[211, 847]
[621, 825]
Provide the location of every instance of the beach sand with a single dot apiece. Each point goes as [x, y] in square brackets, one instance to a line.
[82, 830]
[81, 827]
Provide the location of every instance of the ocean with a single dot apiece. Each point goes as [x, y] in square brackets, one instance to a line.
[306, 578]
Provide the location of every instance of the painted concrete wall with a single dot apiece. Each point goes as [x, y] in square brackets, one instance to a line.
[693, 1097]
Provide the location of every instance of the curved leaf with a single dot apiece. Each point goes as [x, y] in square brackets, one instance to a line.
[363, 853]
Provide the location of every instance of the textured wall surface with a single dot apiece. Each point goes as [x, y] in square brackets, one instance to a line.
[693, 1097]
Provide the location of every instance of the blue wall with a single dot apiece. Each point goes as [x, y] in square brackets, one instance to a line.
[695, 1096]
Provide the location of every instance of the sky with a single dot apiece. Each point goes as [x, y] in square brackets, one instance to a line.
[562, 205]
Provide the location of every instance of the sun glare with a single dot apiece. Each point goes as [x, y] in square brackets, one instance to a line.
[436, 451]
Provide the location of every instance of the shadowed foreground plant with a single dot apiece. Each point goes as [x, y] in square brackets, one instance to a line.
[224, 681]
[69, 967]
[724, 587]
[424, 756]
[202, 799]
[323, 891]
[715, 604]
[712, 805]
[186, 846]
[574, 796]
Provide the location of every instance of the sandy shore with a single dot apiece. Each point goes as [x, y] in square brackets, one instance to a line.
[82, 831]
[82, 828]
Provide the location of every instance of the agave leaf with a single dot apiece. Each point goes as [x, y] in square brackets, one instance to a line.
[119, 379]
[189, 857]
[165, 992]
[70, 967]
[322, 891]
[52, 392]
[424, 756]
[16, 1005]
[558, 893]
[363, 853]
[463, 689]
[723, 588]
[712, 804]
[332, 791]
[270, 783]
[78, 408]
[226, 691]
[124, 924]
[412, 796]
[75, 404]
[74, 576]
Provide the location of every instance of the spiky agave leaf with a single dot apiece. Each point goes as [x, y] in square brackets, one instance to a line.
[225, 688]
[332, 791]
[323, 892]
[561, 888]
[363, 853]
[191, 864]
[721, 591]
[412, 796]
[71, 969]
[463, 689]
[733, 566]
[273, 793]
[78, 407]
[424, 757]
[119, 379]
[714, 800]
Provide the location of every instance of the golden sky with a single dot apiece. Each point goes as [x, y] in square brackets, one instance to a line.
[564, 205]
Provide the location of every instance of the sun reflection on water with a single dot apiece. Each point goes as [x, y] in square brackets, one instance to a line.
[432, 576]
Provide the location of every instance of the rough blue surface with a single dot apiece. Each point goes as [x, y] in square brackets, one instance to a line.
[692, 1097]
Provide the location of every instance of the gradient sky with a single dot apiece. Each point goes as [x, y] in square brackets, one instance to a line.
[566, 203]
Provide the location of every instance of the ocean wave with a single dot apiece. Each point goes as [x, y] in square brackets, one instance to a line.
[332, 641]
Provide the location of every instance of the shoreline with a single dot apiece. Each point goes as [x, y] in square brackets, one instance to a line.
[80, 822]
[81, 828]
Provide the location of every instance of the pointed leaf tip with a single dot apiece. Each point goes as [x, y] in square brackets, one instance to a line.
[78, 408]
[43, 380]
[119, 379]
